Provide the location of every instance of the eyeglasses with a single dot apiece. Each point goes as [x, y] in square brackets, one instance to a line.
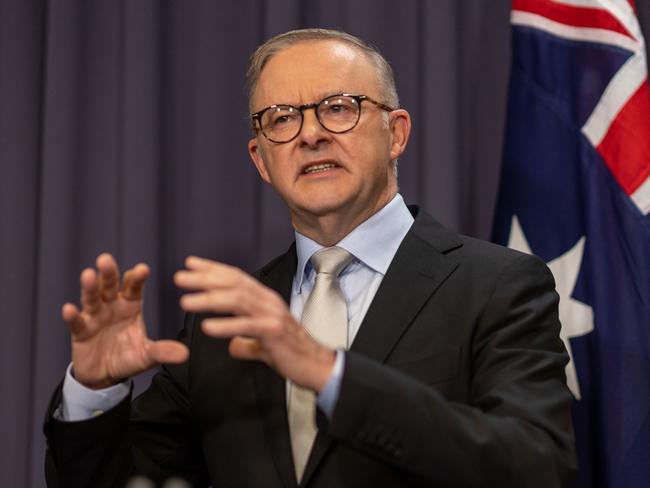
[336, 113]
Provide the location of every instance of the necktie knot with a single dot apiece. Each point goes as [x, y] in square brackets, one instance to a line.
[331, 260]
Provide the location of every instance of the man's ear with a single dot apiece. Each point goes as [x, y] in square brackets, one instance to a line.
[400, 128]
[255, 152]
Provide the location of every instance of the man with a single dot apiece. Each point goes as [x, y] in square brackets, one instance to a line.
[455, 370]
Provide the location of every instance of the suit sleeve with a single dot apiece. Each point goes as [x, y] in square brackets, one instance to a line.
[125, 441]
[515, 429]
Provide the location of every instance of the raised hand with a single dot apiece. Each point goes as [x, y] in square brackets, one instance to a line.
[262, 327]
[109, 337]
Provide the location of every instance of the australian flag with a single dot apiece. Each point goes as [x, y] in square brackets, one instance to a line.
[575, 190]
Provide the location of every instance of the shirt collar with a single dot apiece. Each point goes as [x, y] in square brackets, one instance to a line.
[374, 242]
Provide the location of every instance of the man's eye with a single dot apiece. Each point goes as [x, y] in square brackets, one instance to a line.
[337, 108]
[280, 119]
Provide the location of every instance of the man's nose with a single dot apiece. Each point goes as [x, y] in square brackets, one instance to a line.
[312, 132]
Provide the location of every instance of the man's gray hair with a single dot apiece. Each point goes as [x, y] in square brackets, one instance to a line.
[273, 46]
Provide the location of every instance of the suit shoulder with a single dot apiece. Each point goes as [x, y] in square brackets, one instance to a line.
[266, 268]
[465, 248]
[487, 258]
[482, 249]
[278, 264]
[475, 256]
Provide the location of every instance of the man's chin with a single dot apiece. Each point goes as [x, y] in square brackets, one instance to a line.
[323, 207]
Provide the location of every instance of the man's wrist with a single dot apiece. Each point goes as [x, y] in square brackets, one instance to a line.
[323, 370]
[81, 403]
[328, 396]
[101, 385]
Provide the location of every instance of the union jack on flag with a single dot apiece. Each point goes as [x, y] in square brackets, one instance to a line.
[575, 190]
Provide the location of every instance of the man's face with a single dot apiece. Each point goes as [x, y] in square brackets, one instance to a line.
[362, 179]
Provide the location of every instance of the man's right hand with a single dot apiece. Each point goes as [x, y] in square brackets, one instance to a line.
[109, 337]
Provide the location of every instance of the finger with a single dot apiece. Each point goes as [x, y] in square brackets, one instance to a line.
[90, 298]
[235, 326]
[195, 263]
[246, 348]
[220, 301]
[212, 278]
[220, 271]
[72, 316]
[250, 299]
[197, 280]
[109, 277]
[133, 282]
[168, 352]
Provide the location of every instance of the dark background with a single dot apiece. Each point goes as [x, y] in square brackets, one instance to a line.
[123, 129]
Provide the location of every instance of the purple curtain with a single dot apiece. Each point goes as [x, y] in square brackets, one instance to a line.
[123, 129]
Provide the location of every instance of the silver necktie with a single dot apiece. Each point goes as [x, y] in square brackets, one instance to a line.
[325, 316]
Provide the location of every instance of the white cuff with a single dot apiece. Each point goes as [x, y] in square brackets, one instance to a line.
[81, 403]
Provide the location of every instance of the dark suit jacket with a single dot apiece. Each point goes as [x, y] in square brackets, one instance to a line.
[456, 378]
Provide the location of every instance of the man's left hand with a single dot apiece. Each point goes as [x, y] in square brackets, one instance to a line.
[260, 323]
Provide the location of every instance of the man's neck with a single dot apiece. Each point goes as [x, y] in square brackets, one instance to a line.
[330, 228]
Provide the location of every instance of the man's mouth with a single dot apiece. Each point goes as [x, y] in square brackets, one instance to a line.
[317, 168]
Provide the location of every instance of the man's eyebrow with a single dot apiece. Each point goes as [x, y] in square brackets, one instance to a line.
[331, 93]
[321, 96]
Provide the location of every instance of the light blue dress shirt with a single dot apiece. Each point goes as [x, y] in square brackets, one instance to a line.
[373, 244]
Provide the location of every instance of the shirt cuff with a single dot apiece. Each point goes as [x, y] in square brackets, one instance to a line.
[81, 403]
[329, 395]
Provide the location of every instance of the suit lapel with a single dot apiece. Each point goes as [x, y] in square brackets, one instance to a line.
[415, 274]
[271, 387]
[418, 269]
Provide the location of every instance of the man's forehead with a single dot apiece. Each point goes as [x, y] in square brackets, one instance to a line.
[311, 70]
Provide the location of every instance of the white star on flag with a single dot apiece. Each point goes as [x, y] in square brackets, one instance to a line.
[577, 318]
